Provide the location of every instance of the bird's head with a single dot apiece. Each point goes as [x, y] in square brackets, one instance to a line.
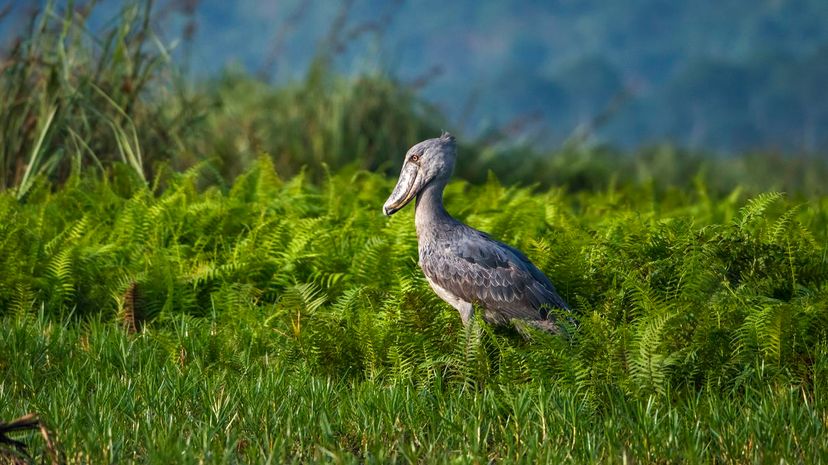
[430, 161]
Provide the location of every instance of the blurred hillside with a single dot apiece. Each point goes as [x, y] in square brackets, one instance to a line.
[730, 75]
[83, 94]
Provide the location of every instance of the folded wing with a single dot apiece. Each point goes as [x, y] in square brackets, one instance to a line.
[500, 278]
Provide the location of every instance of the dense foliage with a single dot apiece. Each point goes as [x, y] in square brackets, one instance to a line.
[680, 297]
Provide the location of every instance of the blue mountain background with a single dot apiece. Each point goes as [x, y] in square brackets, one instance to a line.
[724, 76]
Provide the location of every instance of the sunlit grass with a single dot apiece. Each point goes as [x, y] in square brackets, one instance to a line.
[193, 391]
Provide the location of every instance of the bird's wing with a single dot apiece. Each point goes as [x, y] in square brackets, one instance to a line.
[479, 269]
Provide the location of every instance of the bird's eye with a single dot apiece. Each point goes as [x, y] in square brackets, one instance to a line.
[415, 158]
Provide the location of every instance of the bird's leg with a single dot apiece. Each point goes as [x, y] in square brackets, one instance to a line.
[466, 310]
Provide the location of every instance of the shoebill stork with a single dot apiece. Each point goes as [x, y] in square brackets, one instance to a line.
[464, 266]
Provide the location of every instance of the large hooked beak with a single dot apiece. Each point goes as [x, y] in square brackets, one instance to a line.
[407, 188]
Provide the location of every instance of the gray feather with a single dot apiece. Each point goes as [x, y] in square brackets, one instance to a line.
[486, 272]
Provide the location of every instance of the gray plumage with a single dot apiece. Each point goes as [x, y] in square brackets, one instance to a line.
[463, 265]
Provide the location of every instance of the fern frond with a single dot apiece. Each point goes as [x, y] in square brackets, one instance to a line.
[756, 207]
[22, 301]
[60, 270]
[132, 315]
[649, 364]
[782, 225]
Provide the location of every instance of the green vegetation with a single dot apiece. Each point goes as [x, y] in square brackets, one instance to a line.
[198, 392]
[204, 275]
[283, 308]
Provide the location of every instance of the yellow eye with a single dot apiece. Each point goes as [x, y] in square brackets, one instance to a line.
[415, 158]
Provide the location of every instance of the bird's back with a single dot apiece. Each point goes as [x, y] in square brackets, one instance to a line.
[478, 269]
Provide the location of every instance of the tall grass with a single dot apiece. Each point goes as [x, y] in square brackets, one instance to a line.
[198, 392]
[73, 98]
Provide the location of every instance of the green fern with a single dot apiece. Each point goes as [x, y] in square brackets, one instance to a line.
[61, 278]
[650, 364]
[666, 299]
[756, 207]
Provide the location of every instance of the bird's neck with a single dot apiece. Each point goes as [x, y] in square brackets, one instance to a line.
[429, 210]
